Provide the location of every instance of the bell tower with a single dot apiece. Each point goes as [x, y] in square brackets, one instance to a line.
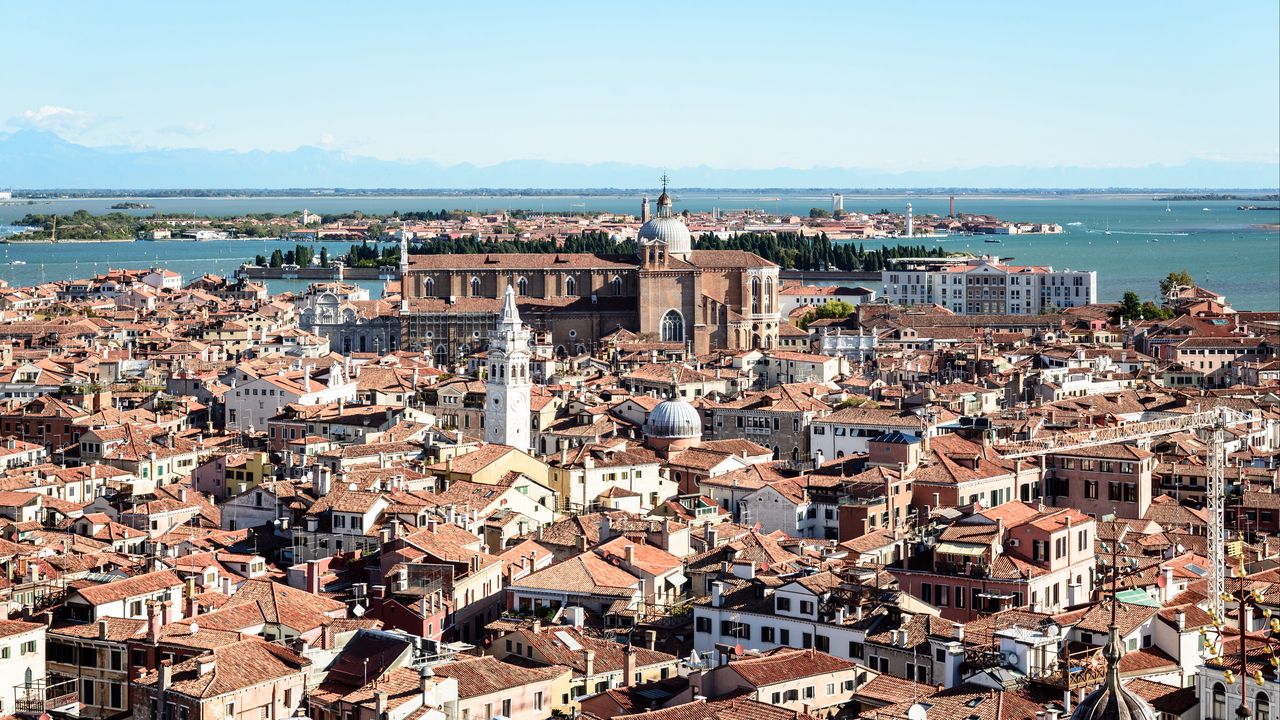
[507, 386]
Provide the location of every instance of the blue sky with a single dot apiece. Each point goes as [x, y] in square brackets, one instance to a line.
[885, 85]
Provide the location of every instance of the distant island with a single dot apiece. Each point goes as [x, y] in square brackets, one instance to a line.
[132, 206]
[128, 194]
[1218, 196]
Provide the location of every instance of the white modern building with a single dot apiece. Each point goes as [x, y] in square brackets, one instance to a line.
[986, 286]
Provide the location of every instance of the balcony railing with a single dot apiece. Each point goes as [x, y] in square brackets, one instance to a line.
[37, 697]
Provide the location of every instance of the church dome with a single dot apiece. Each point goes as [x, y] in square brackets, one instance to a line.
[1113, 701]
[1107, 703]
[673, 419]
[667, 230]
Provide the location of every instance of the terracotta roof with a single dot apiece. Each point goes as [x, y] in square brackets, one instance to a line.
[486, 675]
[787, 664]
[235, 667]
[129, 587]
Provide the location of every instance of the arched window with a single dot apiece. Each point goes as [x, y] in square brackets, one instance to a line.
[755, 295]
[570, 286]
[1219, 702]
[768, 295]
[429, 287]
[1262, 707]
[475, 287]
[777, 453]
[522, 287]
[795, 453]
[616, 283]
[672, 327]
[441, 356]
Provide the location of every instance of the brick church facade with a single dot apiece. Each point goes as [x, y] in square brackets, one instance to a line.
[703, 299]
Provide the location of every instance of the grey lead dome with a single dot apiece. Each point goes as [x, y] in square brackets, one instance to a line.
[667, 230]
[673, 419]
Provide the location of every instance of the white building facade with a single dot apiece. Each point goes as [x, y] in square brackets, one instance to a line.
[985, 286]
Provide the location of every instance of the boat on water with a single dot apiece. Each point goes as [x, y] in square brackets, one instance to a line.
[1204, 209]
[1166, 206]
[18, 262]
[997, 242]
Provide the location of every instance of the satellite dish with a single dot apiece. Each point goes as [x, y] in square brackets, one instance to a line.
[1160, 580]
[737, 649]
[1011, 658]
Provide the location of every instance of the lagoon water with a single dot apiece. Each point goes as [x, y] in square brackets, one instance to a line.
[1229, 250]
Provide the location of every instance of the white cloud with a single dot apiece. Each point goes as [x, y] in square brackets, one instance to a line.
[188, 129]
[327, 140]
[55, 118]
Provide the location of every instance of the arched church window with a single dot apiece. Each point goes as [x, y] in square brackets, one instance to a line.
[672, 327]
[768, 295]
[616, 282]
[1219, 703]
[475, 287]
[522, 287]
[755, 295]
[441, 356]
[429, 287]
[570, 286]
[1262, 708]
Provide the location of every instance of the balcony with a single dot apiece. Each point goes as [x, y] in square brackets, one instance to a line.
[961, 569]
[36, 698]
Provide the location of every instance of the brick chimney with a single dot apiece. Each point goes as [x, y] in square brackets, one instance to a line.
[153, 622]
[313, 577]
[628, 666]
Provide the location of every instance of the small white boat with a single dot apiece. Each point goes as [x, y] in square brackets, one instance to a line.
[1204, 209]
[18, 262]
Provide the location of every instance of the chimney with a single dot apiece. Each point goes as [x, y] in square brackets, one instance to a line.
[153, 622]
[102, 628]
[1180, 618]
[589, 663]
[717, 593]
[628, 666]
[631, 554]
[166, 674]
[380, 704]
[313, 577]
[206, 664]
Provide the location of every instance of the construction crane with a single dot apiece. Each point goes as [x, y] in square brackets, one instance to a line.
[1215, 421]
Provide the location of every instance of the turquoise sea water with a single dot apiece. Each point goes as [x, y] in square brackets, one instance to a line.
[1222, 247]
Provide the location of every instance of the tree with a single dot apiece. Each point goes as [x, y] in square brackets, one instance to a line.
[829, 309]
[818, 212]
[260, 260]
[1130, 306]
[1152, 311]
[1180, 278]
[277, 258]
[324, 256]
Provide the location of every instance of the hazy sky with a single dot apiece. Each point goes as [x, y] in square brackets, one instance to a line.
[886, 85]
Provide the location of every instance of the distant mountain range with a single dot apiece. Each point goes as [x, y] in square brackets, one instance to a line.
[35, 159]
